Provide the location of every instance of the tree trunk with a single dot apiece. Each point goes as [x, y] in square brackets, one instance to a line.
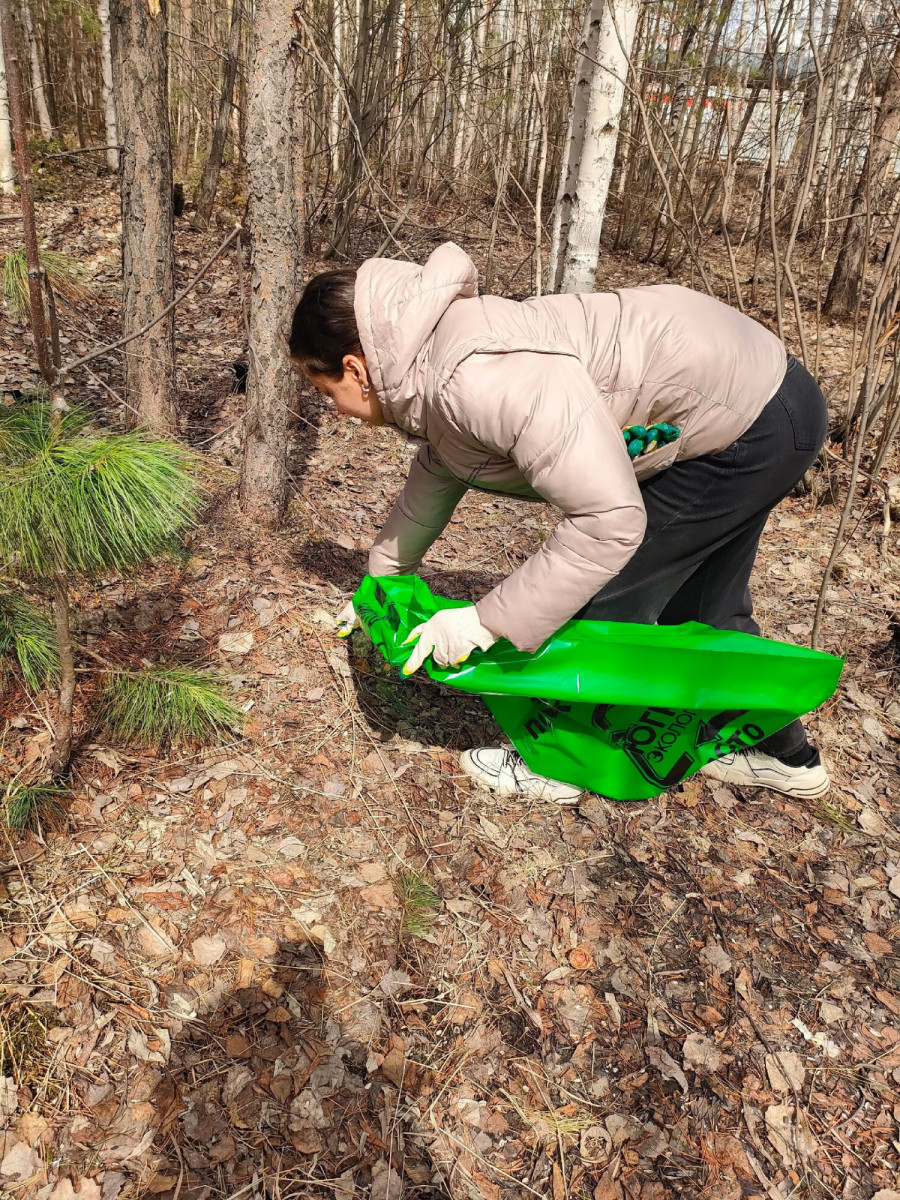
[598, 151]
[77, 69]
[568, 179]
[843, 291]
[7, 174]
[272, 160]
[29, 222]
[184, 82]
[139, 56]
[62, 748]
[109, 101]
[38, 90]
[206, 192]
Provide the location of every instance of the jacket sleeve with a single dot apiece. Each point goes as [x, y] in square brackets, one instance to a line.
[556, 426]
[418, 517]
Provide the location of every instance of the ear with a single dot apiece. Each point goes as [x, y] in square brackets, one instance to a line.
[355, 365]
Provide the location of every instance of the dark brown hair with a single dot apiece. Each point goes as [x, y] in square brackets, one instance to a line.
[324, 326]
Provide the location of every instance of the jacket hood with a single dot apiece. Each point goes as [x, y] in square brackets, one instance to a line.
[398, 305]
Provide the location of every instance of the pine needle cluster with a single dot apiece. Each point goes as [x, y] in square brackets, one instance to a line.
[27, 636]
[161, 706]
[418, 900]
[67, 278]
[30, 806]
[79, 504]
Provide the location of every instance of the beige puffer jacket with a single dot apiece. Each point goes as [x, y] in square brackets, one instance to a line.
[530, 399]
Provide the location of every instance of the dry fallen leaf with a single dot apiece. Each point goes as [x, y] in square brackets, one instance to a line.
[667, 1066]
[394, 983]
[790, 1136]
[877, 944]
[700, 1054]
[237, 1046]
[236, 643]
[208, 950]
[581, 957]
[386, 1183]
[21, 1163]
[785, 1070]
[872, 822]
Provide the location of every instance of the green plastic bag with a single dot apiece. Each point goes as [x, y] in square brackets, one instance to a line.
[619, 709]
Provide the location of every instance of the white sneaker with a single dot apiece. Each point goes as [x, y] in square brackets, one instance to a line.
[752, 768]
[504, 771]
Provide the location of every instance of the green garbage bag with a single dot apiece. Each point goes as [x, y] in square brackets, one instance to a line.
[620, 709]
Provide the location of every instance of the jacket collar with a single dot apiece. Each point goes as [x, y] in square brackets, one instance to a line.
[398, 305]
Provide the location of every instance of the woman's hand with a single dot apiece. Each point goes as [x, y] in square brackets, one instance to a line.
[449, 637]
[347, 620]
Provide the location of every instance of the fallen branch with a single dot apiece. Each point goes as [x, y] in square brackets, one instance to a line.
[86, 358]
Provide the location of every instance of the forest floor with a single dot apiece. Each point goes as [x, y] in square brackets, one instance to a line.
[318, 962]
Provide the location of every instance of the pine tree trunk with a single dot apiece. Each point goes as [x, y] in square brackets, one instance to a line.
[206, 192]
[62, 747]
[272, 160]
[7, 173]
[598, 152]
[109, 101]
[38, 90]
[139, 43]
[843, 290]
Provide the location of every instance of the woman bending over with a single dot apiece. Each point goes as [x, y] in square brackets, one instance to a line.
[530, 400]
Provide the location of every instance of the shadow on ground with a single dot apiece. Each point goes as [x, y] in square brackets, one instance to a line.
[262, 1085]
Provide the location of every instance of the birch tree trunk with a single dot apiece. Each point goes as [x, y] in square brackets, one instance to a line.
[7, 172]
[598, 151]
[568, 179]
[183, 71]
[336, 114]
[139, 43]
[38, 91]
[109, 99]
[273, 166]
[849, 269]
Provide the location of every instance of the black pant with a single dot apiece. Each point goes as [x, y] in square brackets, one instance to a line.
[704, 520]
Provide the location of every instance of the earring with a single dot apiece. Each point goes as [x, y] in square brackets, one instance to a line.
[366, 388]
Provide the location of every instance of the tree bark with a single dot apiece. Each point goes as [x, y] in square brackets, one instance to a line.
[568, 178]
[183, 71]
[843, 290]
[598, 151]
[206, 192]
[109, 99]
[23, 167]
[62, 749]
[38, 91]
[139, 43]
[7, 172]
[273, 161]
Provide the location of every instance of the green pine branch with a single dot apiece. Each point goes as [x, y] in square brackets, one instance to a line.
[28, 636]
[161, 706]
[31, 806]
[67, 278]
[79, 504]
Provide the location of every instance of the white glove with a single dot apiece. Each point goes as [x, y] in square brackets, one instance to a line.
[347, 620]
[449, 637]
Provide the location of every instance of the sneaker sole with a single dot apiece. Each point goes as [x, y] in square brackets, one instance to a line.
[723, 774]
[505, 791]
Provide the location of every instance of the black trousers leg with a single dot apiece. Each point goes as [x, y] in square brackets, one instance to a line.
[704, 520]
